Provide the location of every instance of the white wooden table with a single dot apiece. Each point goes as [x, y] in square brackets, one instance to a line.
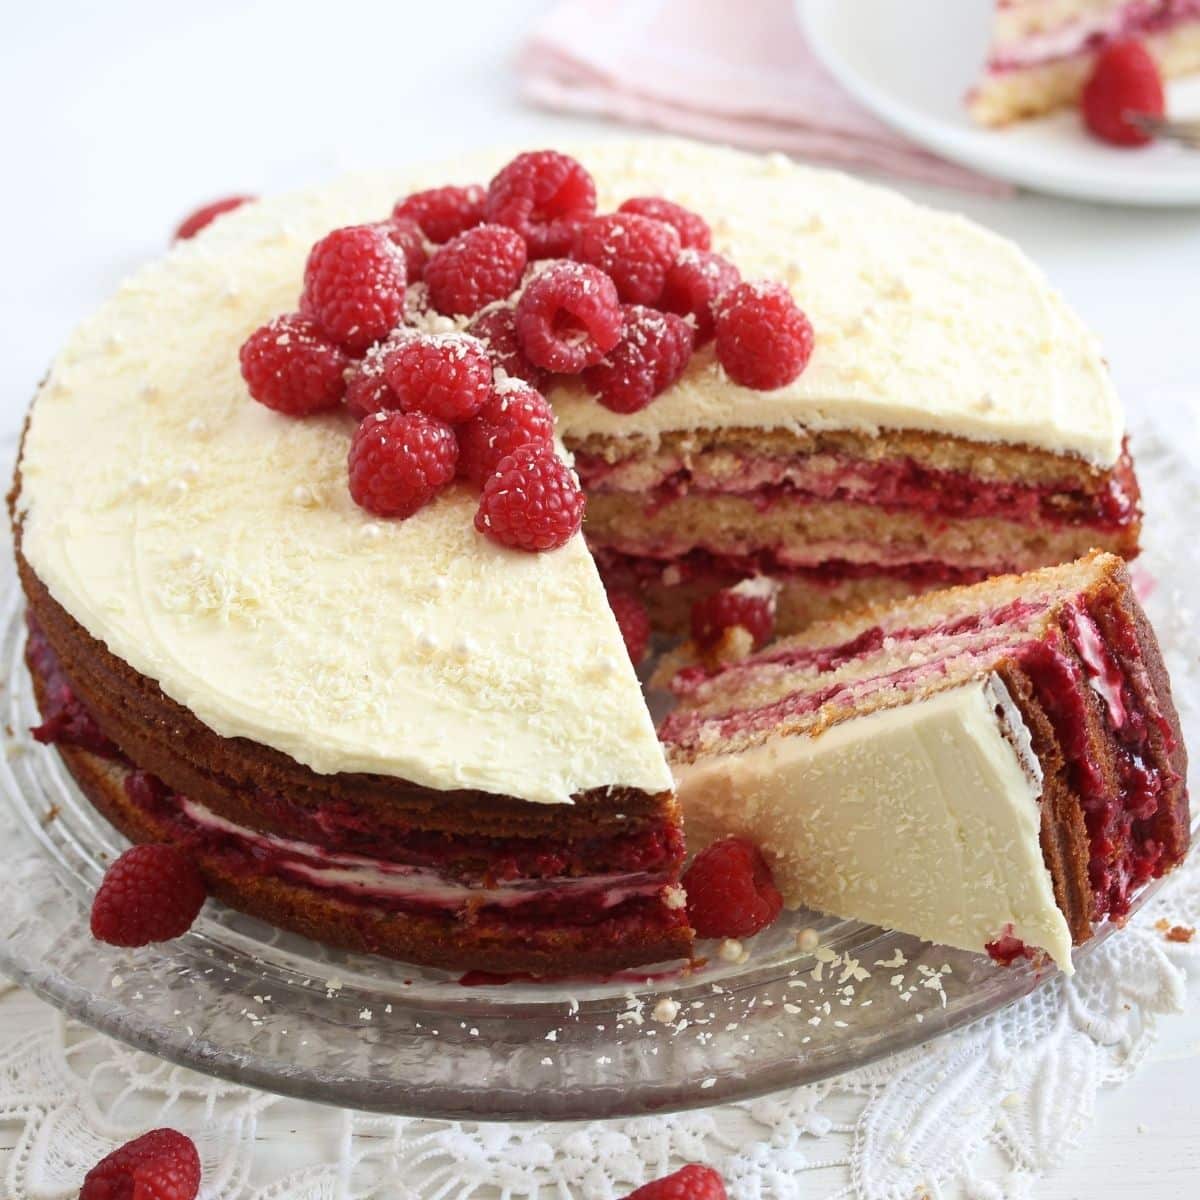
[122, 117]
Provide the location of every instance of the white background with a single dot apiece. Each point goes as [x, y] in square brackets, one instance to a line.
[119, 118]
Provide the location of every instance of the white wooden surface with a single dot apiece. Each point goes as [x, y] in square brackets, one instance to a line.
[120, 118]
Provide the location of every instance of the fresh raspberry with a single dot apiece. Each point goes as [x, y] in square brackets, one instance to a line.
[497, 330]
[633, 621]
[203, 217]
[444, 375]
[444, 212]
[544, 196]
[354, 286]
[513, 416]
[692, 1182]
[367, 389]
[730, 891]
[1125, 79]
[749, 604]
[289, 365]
[405, 234]
[696, 281]
[651, 355]
[568, 317]
[532, 502]
[160, 1165]
[149, 894]
[399, 461]
[693, 230]
[475, 268]
[634, 252]
[763, 339]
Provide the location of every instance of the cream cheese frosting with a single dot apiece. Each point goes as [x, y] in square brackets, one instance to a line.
[213, 545]
[923, 818]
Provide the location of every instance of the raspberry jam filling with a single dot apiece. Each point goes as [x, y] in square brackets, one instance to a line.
[894, 485]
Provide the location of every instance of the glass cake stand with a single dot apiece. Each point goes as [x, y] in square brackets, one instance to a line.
[239, 999]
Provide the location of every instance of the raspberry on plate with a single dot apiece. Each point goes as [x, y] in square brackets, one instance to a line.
[693, 230]
[649, 358]
[354, 286]
[203, 217]
[568, 317]
[150, 893]
[730, 890]
[399, 461]
[289, 365]
[160, 1165]
[405, 234]
[633, 620]
[749, 605]
[497, 330]
[693, 1182]
[544, 196]
[696, 281]
[444, 212]
[477, 267]
[764, 341]
[532, 502]
[1125, 80]
[514, 415]
[444, 375]
[634, 252]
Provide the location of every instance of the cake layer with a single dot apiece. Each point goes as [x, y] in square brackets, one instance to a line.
[1082, 671]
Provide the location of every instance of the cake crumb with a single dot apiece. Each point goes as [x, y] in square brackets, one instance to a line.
[1180, 933]
[674, 897]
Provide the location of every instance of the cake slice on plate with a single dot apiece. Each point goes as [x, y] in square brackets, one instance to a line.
[997, 766]
[1042, 51]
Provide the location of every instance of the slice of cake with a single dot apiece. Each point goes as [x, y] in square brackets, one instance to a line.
[955, 421]
[1042, 51]
[997, 766]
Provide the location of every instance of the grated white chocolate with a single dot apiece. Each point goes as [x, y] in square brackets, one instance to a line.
[923, 818]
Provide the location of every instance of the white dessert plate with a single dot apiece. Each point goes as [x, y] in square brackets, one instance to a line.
[250, 1003]
[911, 64]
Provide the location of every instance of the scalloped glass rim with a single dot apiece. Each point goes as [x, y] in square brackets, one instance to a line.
[240, 1000]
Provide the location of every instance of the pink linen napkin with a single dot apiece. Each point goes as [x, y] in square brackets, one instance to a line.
[732, 71]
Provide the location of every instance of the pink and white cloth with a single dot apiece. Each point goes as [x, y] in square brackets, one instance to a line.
[728, 71]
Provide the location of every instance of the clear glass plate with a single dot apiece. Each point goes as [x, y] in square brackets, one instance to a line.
[239, 999]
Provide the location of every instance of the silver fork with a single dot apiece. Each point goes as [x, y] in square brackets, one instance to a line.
[1186, 133]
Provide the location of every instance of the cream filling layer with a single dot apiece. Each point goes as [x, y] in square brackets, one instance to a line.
[923, 818]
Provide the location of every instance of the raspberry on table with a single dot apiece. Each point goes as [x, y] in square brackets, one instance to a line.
[444, 375]
[1125, 79]
[634, 252]
[749, 605]
[151, 893]
[696, 281]
[633, 620]
[405, 234]
[497, 330]
[568, 317]
[730, 890]
[444, 212]
[160, 1165]
[544, 196]
[693, 230]
[514, 415]
[354, 286]
[649, 358]
[291, 366]
[475, 268]
[693, 1182]
[532, 502]
[764, 341]
[203, 217]
[399, 461]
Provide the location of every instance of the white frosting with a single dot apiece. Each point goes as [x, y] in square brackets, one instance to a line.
[213, 545]
[923, 818]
